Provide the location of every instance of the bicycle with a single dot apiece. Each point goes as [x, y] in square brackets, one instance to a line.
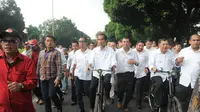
[100, 100]
[173, 102]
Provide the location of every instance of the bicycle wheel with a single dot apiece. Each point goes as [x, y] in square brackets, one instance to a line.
[174, 105]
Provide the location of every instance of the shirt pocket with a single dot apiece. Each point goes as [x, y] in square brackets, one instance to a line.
[18, 76]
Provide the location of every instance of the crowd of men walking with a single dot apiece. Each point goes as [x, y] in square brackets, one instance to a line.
[45, 68]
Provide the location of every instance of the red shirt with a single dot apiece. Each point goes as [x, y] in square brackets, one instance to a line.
[23, 71]
[35, 57]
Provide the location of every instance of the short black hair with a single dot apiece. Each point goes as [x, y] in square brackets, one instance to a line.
[171, 43]
[177, 43]
[162, 39]
[86, 40]
[194, 35]
[140, 41]
[127, 38]
[74, 42]
[50, 36]
[149, 40]
[101, 33]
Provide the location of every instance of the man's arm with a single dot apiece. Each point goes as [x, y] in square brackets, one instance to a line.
[31, 77]
[152, 64]
[58, 66]
[38, 65]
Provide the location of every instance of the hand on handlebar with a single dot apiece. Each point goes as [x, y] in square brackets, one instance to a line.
[154, 69]
[113, 68]
[88, 67]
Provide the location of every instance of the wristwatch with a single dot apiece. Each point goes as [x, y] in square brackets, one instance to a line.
[21, 86]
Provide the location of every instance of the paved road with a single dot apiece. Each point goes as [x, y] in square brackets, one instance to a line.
[111, 108]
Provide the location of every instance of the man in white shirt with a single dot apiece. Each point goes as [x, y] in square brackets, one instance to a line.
[126, 58]
[161, 59]
[177, 49]
[27, 49]
[102, 57]
[69, 68]
[141, 72]
[189, 60]
[150, 49]
[82, 77]
[113, 80]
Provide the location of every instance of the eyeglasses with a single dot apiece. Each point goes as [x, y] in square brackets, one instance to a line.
[9, 41]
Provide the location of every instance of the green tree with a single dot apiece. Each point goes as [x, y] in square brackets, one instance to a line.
[65, 30]
[174, 18]
[11, 16]
[33, 32]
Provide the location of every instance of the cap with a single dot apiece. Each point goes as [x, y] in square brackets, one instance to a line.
[10, 32]
[26, 43]
[34, 42]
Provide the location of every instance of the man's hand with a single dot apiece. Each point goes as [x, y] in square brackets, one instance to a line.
[56, 83]
[14, 86]
[113, 68]
[179, 60]
[132, 62]
[88, 67]
[154, 69]
[146, 70]
[71, 77]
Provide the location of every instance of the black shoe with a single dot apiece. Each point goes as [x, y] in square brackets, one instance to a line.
[139, 106]
[73, 103]
[59, 110]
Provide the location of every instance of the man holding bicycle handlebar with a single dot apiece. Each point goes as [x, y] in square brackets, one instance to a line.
[163, 59]
[102, 57]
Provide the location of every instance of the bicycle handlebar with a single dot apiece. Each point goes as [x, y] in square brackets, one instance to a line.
[161, 71]
[99, 70]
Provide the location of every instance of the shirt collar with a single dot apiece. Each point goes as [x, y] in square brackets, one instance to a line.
[18, 56]
[49, 50]
[122, 49]
[193, 50]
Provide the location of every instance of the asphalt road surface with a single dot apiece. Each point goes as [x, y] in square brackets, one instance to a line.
[111, 108]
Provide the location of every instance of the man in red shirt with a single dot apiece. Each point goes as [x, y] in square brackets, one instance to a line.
[18, 75]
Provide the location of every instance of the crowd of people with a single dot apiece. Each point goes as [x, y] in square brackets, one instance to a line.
[45, 67]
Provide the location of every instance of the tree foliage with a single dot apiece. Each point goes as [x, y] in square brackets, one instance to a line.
[64, 29]
[33, 32]
[174, 18]
[11, 16]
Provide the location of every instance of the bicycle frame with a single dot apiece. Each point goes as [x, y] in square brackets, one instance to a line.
[99, 95]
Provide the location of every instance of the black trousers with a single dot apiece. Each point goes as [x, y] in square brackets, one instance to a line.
[184, 94]
[140, 82]
[49, 93]
[147, 83]
[94, 86]
[126, 83]
[160, 91]
[82, 87]
[73, 97]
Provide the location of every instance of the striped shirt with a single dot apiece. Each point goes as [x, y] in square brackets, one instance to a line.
[49, 64]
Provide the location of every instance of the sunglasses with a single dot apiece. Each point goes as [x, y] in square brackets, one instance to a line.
[9, 41]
